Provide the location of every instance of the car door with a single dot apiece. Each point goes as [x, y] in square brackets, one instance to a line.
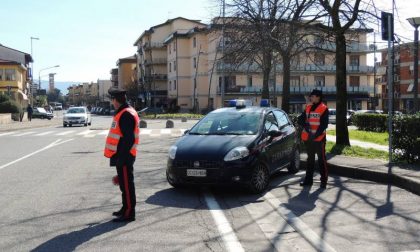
[273, 145]
[288, 140]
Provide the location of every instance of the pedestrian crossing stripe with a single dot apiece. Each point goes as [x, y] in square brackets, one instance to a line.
[92, 133]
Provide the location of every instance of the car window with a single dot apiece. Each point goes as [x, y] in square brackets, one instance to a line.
[76, 110]
[270, 122]
[41, 110]
[228, 123]
[282, 119]
[332, 112]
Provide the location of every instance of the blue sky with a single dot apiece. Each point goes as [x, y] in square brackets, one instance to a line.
[86, 37]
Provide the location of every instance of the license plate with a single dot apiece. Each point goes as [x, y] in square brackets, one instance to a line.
[196, 173]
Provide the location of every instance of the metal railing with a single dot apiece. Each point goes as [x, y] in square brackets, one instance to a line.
[362, 89]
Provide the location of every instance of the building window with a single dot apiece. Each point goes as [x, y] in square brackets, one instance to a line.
[194, 42]
[174, 46]
[354, 81]
[294, 81]
[174, 84]
[354, 60]
[169, 47]
[195, 63]
[319, 81]
[10, 74]
[174, 65]
[170, 67]
[170, 85]
[249, 84]
[319, 59]
[1, 74]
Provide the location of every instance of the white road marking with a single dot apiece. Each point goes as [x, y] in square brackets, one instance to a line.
[303, 229]
[86, 132]
[24, 134]
[103, 133]
[65, 133]
[145, 132]
[44, 133]
[165, 131]
[7, 133]
[226, 231]
[53, 144]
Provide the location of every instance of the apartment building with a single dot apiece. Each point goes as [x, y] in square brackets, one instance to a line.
[403, 83]
[114, 77]
[15, 74]
[83, 94]
[156, 58]
[127, 74]
[180, 65]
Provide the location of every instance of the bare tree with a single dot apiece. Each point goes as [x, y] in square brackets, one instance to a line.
[342, 17]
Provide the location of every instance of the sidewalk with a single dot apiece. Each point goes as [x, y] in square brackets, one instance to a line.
[401, 175]
[35, 123]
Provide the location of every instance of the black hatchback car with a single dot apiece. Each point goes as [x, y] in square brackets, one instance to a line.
[242, 145]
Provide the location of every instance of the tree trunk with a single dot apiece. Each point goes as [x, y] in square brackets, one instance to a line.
[266, 65]
[342, 134]
[286, 84]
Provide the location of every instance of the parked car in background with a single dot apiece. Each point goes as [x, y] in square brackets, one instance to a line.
[77, 115]
[333, 113]
[42, 114]
[56, 105]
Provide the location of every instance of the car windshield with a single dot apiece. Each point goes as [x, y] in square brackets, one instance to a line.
[41, 110]
[228, 123]
[76, 110]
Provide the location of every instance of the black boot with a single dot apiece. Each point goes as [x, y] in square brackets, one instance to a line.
[118, 213]
[305, 183]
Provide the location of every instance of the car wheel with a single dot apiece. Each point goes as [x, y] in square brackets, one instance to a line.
[85, 124]
[64, 125]
[295, 162]
[69, 125]
[259, 179]
[172, 181]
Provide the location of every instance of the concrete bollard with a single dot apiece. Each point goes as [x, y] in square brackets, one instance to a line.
[183, 119]
[143, 124]
[169, 124]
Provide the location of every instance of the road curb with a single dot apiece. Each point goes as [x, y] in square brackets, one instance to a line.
[405, 183]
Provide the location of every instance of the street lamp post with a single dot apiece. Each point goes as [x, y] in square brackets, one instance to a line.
[31, 95]
[415, 22]
[39, 74]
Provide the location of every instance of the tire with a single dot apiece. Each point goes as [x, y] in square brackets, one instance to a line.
[173, 181]
[259, 179]
[295, 161]
[69, 125]
[64, 125]
[85, 124]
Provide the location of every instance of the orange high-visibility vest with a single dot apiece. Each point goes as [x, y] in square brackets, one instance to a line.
[115, 134]
[314, 120]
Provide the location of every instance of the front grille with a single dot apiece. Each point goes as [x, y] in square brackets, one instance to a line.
[203, 164]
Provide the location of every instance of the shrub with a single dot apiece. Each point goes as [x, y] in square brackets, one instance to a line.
[4, 98]
[10, 107]
[294, 119]
[371, 122]
[406, 137]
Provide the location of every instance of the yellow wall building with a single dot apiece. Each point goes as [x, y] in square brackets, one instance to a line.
[13, 81]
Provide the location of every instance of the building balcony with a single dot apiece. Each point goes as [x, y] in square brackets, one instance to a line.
[351, 47]
[156, 61]
[303, 90]
[153, 45]
[308, 68]
[156, 76]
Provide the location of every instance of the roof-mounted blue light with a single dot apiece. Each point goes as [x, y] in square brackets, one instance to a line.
[232, 103]
[265, 103]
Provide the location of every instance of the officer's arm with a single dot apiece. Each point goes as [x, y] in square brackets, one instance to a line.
[127, 124]
[302, 119]
[323, 124]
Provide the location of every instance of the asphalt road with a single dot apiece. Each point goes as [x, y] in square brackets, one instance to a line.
[57, 195]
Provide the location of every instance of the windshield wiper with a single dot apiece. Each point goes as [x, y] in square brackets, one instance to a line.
[195, 133]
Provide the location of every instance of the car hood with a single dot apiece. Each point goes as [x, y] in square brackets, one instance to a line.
[75, 115]
[199, 147]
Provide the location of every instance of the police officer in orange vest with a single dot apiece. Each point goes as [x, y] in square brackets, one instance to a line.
[314, 121]
[121, 148]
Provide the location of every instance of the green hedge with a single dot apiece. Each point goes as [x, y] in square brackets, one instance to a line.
[10, 107]
[173, 116]
[371, 122]
[406, 137]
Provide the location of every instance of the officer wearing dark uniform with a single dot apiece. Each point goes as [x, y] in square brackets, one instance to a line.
[121, 148]
[314, 121]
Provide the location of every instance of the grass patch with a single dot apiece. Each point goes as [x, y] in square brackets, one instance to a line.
[366, 136]
[172, 116]
[355, 151]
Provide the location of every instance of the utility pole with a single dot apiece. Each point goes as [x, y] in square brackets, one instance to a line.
[223, 55]
[31, 95]
[390, 82]
[195, 80]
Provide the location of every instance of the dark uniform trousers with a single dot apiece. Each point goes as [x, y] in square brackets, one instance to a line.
[318, 148]
[128, 191]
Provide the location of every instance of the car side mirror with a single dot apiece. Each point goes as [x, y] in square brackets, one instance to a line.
[186, 132]
[274, 133]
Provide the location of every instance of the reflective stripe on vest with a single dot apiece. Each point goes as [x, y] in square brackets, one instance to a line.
[115, 134]
[313, 118]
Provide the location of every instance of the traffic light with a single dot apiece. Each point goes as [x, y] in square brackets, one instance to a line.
[385, 27]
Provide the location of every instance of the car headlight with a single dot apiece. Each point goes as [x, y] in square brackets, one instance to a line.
[237, 153]
[172, 152]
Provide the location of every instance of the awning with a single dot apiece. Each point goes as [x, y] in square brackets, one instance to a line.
[24, 96]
